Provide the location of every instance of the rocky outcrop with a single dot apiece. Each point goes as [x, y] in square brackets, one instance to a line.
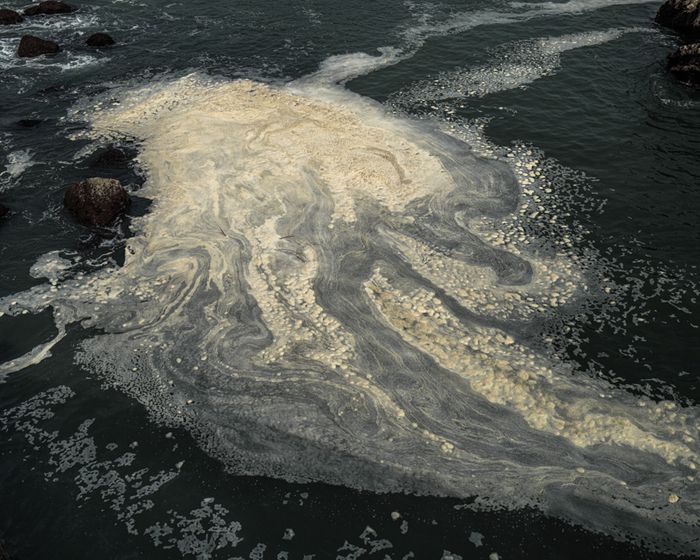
[31, 46]
[9, 17]
[99, 40]
[96, 201]
[684, 64]
[48, 7]
[680, 15]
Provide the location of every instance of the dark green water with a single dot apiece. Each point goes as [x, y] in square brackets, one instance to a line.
[620, 139]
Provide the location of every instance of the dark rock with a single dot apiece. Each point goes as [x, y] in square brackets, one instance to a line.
[31, 46]
[113, 156]
[9, 17]
[3, 210]
[681, 15]
[99, 40]
[29, 123]
[49, 7]
[96, 201]
[684, 64]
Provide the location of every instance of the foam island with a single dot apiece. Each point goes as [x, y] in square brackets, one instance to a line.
[307, 297]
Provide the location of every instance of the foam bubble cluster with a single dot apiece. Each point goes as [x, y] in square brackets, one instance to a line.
[320, 293]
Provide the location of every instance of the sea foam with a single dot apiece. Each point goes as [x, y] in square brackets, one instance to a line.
[310, 298]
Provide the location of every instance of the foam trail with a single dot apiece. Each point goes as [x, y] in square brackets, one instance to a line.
[460, 22]
[307, 296]
[343, 68]
[515, 65]
[36, 355]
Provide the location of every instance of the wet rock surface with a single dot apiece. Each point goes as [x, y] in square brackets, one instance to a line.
[99, 40]
[48, 7]
[10, 17]
[684, 64]
[31, 46]
[29, 123]
[96, 201]
[114, 157]
[680, 15]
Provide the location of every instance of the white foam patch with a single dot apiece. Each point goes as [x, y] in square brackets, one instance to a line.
[57, 23]
[322, 292]
[513, 65]
[18, 162]
[8, 48]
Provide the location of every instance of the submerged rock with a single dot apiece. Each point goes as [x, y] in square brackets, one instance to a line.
[681, 15]
[9, 17]
[96, 201]
[99, 40]
[114, 156]
[48, 7]
[29, 123]
[31, 46]
[684, 64]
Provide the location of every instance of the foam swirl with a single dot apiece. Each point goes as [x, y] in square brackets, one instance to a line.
[308, 297]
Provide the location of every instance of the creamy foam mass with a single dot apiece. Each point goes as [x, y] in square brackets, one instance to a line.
[307, 296]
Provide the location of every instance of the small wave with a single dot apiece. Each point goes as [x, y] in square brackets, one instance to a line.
[56, 24]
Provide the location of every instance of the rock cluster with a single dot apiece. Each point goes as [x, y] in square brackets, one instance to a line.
[96, 201]
[30, 45]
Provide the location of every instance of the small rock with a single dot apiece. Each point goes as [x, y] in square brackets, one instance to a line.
[3, 210]
[684, 64]
[395, 515]
[673, 498]
[113, 156]
[681, 15]
[31, 46]
[96, 201]
[99, 40]
[9, 17]
[48, 7]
